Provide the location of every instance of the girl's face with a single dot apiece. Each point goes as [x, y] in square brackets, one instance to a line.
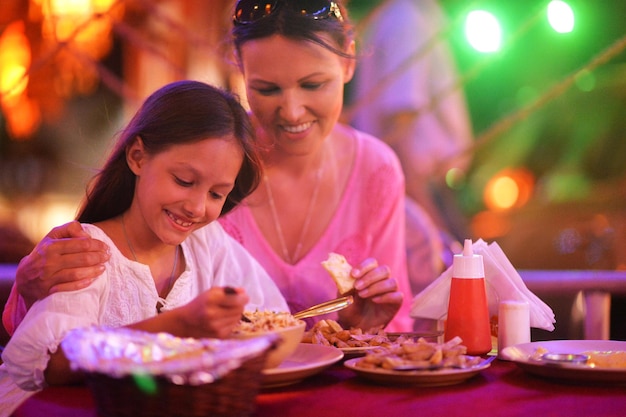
[295, 89]
[184, 187]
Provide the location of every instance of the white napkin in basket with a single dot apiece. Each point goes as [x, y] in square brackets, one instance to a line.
[502, 283]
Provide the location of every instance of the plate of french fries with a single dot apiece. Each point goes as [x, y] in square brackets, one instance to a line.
[419, 362]
[352, 342]
[357, 342]
[605, 360]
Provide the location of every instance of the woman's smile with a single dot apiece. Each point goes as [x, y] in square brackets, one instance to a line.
[299, 128]
[304, 102]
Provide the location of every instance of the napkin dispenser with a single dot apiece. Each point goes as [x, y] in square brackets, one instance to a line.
[502, 281]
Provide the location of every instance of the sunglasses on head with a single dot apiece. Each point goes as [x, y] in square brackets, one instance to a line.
[250, 11]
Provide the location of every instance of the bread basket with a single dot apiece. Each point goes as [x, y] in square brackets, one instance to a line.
[134, 373]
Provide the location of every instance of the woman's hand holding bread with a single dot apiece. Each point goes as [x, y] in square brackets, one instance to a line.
[375, 291]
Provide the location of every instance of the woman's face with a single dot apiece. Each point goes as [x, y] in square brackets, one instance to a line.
[184, 187]
[295, 90]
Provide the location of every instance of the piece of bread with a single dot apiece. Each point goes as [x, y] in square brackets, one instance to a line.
[339, 269]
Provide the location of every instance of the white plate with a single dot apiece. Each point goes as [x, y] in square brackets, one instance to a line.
[353, 352]
[307, 360]
[432, 378]
[522, 355]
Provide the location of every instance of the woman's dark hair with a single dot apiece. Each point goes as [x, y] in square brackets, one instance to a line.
[291, 24]
[180, 112]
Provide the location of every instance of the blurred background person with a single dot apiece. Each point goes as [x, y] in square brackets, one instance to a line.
[403, 94]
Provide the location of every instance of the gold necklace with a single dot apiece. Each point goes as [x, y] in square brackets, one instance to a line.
[170, 282]
[307, 219]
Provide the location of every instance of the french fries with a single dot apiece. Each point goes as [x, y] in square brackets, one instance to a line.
[389, 354]
[420, 354]
[330, 333]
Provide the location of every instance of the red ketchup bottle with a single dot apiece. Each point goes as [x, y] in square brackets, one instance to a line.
[468, 315]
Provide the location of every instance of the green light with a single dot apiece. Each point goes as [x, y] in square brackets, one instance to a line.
[455, 178]
[146, 383]
[482, 31]
[560, 16]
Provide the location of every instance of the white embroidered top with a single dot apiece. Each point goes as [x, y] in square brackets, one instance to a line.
[125, 294]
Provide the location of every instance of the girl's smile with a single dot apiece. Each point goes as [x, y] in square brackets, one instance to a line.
[181, 189]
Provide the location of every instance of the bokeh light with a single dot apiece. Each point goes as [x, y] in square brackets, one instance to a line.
[483, 31]
[509, 188]
[561, 16]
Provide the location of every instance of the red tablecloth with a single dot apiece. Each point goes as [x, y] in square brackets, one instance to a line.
[502, 390]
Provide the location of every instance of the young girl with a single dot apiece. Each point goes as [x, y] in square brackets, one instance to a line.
[185, 158]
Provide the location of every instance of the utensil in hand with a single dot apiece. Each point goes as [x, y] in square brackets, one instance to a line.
[232, 291]
[325, 308]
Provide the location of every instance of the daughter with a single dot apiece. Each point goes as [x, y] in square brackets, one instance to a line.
[186, 157]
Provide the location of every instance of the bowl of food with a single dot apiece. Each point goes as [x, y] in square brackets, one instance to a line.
[262, 323]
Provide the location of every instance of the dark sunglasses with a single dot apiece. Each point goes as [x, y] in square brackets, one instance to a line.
[250, 11]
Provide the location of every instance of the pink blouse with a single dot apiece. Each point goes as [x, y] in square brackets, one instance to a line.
[369, 222]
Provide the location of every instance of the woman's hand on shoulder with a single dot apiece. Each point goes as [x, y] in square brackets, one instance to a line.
[67, 258]
[377, 299]
[213, 313]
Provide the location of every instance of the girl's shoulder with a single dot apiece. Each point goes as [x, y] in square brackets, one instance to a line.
[96, 232]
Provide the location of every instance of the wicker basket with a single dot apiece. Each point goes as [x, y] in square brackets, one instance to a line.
[233, 395]
[133, 373]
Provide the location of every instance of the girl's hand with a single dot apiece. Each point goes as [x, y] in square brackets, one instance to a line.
[376, 297]
[213, 313]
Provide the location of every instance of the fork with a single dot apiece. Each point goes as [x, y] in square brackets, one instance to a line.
[232, 291]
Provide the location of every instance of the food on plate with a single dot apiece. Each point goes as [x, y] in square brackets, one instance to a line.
[420, 354]
[596, 358]
[282, 324]
[264, 321]
[609, 359]
[330, 333]
[339, 269]
[538, 353]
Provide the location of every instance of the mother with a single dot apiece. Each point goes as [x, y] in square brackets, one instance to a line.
[327, 187]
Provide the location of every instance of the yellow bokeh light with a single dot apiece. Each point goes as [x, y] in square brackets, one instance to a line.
[23, 118]
[511, 187]
[70, 7]
[13, 82]
[14, 62]
[501, 193]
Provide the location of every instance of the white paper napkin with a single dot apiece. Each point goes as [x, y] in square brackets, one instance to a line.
[502, 283]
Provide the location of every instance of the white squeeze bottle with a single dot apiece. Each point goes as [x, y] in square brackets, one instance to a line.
[468, 314]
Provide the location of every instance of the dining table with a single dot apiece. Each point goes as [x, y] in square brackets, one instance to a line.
[503, 389]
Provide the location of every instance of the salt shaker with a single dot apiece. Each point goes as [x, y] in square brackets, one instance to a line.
[513, 324]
